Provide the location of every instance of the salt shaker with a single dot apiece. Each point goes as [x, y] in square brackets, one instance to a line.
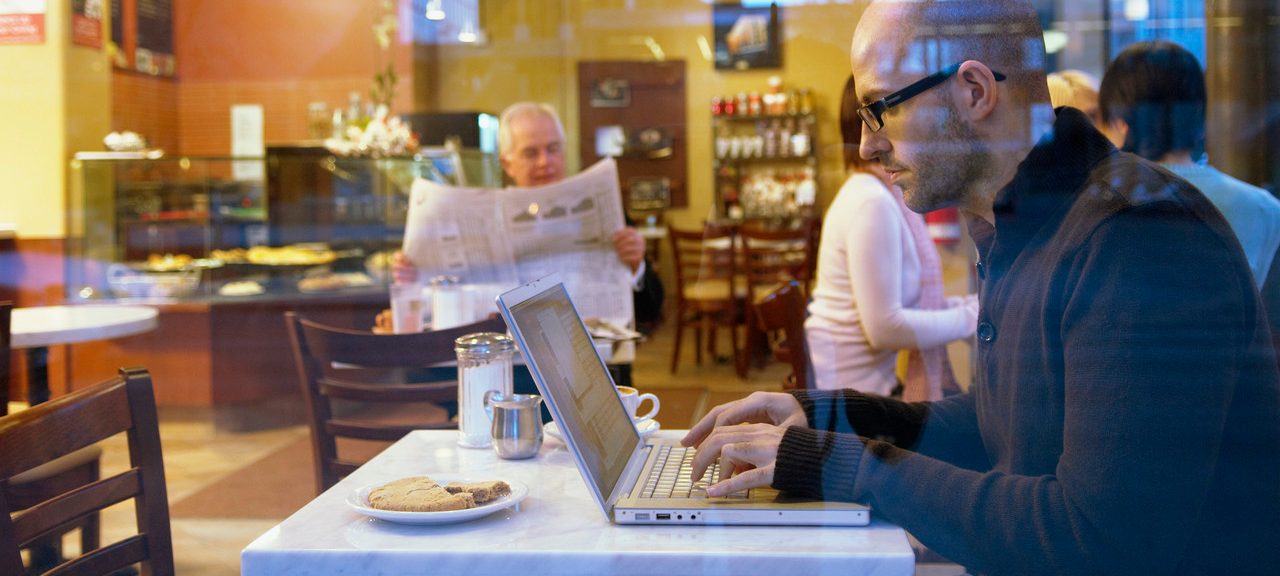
[484, 364]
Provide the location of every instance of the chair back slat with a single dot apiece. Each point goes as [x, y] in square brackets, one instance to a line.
[368, 350]
[47, 517]
[355, 365]
[62, 427]
[127, 552]
[336, 388]
[54, 429]
[387, 432]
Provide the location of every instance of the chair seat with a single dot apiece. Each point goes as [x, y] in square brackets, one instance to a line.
[717, 289]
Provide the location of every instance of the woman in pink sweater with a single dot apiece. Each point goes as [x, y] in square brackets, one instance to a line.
[879, 287]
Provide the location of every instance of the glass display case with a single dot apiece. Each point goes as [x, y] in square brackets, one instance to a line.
[298, 221]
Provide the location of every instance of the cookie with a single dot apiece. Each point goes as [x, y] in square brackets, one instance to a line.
[418, 494]
[482, 491]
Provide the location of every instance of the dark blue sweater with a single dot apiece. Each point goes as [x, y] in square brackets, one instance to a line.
[1125, 418]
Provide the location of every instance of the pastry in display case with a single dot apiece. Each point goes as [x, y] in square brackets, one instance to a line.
[296, 222]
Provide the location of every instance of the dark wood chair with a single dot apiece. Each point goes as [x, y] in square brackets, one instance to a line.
[339, 368]
[6, 352]
[708, 292]
[79, 468]
[780, 317]
[62, 426]
[773, 255]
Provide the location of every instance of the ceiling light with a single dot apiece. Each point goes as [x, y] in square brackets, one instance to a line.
[435, 11]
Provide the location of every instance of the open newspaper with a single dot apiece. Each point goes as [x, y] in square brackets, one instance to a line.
[509, 236]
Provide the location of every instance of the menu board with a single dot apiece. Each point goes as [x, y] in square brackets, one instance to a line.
[22, 21]
[86, 23]
[154, 51]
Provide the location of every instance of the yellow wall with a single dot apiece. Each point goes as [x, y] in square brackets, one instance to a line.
[534, 47]
[55, 100]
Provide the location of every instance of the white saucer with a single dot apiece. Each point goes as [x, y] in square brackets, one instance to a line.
[646, 428]
[359, 501]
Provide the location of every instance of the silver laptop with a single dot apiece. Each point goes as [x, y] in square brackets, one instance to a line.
[633, 481]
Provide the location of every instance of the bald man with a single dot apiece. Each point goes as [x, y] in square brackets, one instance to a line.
[1125, 415]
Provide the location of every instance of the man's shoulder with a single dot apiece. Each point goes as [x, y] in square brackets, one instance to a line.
[1131, 181]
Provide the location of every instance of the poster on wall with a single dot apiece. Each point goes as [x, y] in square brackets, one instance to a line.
[154, 52]
[22, 21]
[86, 23]
[747, 38]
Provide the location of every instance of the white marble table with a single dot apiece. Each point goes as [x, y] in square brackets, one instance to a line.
[558, 529]
[38, 327]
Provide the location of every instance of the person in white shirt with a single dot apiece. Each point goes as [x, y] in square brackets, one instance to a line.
[879, 287]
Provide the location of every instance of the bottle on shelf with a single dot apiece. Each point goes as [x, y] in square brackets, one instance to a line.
[784, 137]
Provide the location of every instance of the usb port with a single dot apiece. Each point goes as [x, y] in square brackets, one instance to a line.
[664, 516]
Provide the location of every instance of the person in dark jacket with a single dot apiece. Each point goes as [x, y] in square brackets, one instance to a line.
[1125, 412]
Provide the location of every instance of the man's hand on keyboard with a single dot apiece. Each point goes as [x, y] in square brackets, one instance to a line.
[760, 407]
[746, 452]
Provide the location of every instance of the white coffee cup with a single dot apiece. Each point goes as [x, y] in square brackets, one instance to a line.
[632, 398]
[407, 308]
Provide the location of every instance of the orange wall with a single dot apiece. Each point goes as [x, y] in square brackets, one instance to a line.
[282, 54]
[146, 105]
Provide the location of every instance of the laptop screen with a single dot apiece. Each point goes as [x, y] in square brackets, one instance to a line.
[565, 360]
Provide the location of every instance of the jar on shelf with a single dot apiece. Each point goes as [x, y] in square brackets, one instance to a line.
[484, 364]
[806, 101]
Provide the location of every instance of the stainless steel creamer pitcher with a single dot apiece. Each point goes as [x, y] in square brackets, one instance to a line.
[516, 423]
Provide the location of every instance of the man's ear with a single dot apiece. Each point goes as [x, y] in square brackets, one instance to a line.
[976, 90]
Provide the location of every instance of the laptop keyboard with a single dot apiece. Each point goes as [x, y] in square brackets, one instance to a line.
[672, 475]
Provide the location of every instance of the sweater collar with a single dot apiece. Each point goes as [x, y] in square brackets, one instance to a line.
[1049, 177]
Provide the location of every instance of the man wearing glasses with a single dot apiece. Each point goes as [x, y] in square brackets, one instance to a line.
[1125, 417]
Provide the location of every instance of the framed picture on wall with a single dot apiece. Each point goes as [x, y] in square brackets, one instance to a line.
[611, 93]
[747, 38]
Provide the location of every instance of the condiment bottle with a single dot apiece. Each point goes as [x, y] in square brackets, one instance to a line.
[484, 364]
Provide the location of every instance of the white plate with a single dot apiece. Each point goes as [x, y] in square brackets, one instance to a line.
[359, 501]
[646, 428]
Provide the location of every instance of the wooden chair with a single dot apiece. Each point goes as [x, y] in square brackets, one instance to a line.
[771, 257]
[358, 366]
[6, 352]
[50, 479]
[62, 426]
[780, 317]
[708, 293]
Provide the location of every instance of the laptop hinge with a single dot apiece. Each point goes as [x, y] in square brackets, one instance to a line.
[630, 474]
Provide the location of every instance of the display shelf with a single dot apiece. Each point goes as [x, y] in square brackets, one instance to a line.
[765, 164]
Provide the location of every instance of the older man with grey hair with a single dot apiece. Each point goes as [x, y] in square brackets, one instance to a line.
[531, 150]
[1125, 416]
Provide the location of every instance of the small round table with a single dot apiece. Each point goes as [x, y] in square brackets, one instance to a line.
[37, 328]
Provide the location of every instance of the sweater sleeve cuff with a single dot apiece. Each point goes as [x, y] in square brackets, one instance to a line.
[819, 408]
[817, 464]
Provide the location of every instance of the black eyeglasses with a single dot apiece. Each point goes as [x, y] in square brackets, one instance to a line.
[872, 114]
